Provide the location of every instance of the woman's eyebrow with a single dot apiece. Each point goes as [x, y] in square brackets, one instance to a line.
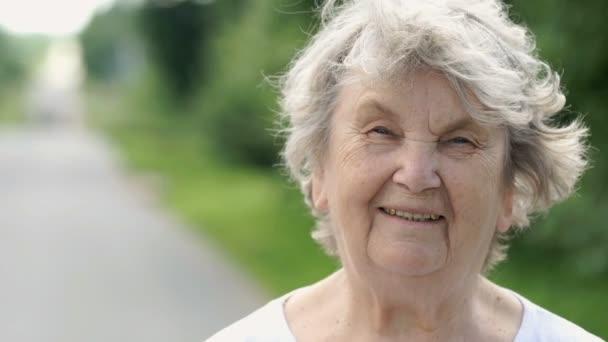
[372, 106]
[462, 122]
[369, 109]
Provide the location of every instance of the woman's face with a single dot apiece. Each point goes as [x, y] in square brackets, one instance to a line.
[411, 183]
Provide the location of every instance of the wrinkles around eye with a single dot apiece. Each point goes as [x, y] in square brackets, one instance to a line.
[381, 131]
[459, 142]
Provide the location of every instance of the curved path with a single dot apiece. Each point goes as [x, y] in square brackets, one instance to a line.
[85, 257]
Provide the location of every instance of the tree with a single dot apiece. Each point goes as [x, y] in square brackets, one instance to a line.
[175, 35]
[109, 44]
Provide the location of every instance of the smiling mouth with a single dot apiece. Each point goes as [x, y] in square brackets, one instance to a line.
[412, 217]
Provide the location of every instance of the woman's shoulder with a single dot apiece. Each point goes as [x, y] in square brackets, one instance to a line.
[267, 324]
[540, 325]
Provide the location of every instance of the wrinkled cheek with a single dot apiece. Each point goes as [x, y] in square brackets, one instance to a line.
[362, 173]
[473, 222]
[355, 185]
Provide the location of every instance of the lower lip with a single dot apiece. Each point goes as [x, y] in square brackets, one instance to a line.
[416, 224]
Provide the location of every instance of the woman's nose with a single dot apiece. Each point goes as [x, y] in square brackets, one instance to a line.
[417, 167]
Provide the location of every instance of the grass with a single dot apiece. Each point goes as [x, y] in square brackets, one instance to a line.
[260, 220]
[12, 104]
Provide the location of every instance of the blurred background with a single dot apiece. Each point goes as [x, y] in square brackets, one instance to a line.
[142, 194]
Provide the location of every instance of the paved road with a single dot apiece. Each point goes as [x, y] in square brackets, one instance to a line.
[84, 256]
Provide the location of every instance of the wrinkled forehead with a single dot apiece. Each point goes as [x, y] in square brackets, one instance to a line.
[418, 88]
[423, 89]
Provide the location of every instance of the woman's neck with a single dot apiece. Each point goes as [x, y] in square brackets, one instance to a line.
[411, 308]
[340, 310]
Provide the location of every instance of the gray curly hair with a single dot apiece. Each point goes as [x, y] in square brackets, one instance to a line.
[488, 59]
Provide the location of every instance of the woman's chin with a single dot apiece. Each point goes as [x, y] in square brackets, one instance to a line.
[411, 260]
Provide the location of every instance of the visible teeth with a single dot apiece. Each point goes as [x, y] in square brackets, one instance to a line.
[410, 216]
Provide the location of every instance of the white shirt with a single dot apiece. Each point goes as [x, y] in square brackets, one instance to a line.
[268, 324]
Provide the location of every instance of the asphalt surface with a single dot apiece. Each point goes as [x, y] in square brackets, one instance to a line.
[86, 254]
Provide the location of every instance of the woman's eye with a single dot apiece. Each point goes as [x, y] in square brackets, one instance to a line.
[460, 141]
[381, 130]
[459, 144]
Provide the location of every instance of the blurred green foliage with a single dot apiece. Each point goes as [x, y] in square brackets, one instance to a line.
[10, 66]
[237, 108]
[19, 56]
[15, 58]
[110, 45]
[175, 34]
[571, 36]
[213, 144]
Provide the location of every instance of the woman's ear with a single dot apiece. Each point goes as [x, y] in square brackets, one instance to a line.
[319, 196]
[505, 216]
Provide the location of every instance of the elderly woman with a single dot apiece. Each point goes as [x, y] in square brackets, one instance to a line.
[421, 132]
